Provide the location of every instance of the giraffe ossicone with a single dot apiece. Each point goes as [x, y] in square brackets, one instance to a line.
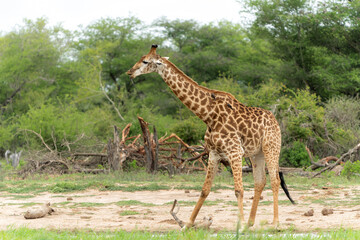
[233, 131]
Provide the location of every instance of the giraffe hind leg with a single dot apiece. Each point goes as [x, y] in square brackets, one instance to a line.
[258, 166]
[235, 158]
[272, 161]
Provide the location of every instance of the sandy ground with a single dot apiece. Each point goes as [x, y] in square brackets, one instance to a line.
[97, 210]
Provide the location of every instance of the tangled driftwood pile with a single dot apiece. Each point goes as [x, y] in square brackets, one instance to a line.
[168, 153]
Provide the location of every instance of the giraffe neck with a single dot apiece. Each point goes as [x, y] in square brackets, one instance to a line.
[193, 96]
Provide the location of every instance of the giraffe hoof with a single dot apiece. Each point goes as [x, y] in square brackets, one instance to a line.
[276, 225]
[186, 227]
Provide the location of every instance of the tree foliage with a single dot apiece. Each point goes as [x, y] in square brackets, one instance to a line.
[299, 59]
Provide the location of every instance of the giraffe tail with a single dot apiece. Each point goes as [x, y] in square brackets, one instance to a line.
[284, 187]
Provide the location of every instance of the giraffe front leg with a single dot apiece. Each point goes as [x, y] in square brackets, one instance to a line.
[212, 166]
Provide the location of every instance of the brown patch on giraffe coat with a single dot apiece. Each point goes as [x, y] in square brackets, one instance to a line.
[196, 92]
[248, 123]
[221, 107]
[203, 102]
[191, 87]
[195, 106]
[230, 128]
[182, 97]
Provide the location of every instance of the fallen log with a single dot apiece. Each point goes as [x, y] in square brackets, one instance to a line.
[39, 212]
[324, 162]
[347, 154]
[90, 155]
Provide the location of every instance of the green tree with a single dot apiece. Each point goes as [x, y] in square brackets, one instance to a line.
[318, 42]
[29, 64]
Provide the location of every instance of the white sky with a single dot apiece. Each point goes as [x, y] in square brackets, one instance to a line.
[72, 13]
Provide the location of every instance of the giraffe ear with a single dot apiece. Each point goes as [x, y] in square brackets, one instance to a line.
[167, 58]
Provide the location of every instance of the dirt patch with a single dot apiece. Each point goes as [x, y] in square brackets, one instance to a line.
[149, 210]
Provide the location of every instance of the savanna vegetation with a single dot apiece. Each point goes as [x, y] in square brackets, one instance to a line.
[297, 58]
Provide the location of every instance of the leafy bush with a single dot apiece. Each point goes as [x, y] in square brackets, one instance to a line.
[351, 168]
[302, 115]
[190, 130]
[295, 156]
[62, 123]
[343, 118]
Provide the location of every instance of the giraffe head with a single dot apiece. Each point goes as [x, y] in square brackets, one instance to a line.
[149, 63]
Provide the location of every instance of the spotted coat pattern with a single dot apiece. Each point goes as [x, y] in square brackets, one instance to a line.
[233, 131]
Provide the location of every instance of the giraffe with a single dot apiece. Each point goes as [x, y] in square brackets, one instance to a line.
[233, 131]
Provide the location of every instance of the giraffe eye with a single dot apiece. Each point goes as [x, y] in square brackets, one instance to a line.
[145, 62]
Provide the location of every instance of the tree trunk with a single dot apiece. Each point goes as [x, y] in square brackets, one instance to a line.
[155, 151]
[151, 150]
[114, 151]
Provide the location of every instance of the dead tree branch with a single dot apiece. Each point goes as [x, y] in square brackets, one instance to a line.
[108, 98]
[204, 224]
[41, 138]
[347, 154]
[181, 223]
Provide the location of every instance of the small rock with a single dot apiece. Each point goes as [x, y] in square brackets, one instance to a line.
[187, 191]
[289, 219]
[69, 199]
[309, 213]
[261, 197]
[357, 215]
[327, 211]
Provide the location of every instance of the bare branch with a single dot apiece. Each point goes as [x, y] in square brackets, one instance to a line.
[181, 223]
[111, 101]
[348, 153]
[41, 138]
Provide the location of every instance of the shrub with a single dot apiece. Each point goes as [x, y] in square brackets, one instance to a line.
[191, 130]
[295, 156]
[62, 123]
[351, 168]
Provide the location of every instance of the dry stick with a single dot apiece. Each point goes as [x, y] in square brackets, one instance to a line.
[108, 98]
[41, 138]
[312, 160]
[181, 223]
[351, 151]
[190, 159]
[90, 154]
[135, 140]
[125, 132]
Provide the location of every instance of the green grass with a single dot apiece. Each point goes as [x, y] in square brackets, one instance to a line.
[128, 212]
[133, 203]
[134, 188]
[141, 181]
[18, 196]
[42, 234]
